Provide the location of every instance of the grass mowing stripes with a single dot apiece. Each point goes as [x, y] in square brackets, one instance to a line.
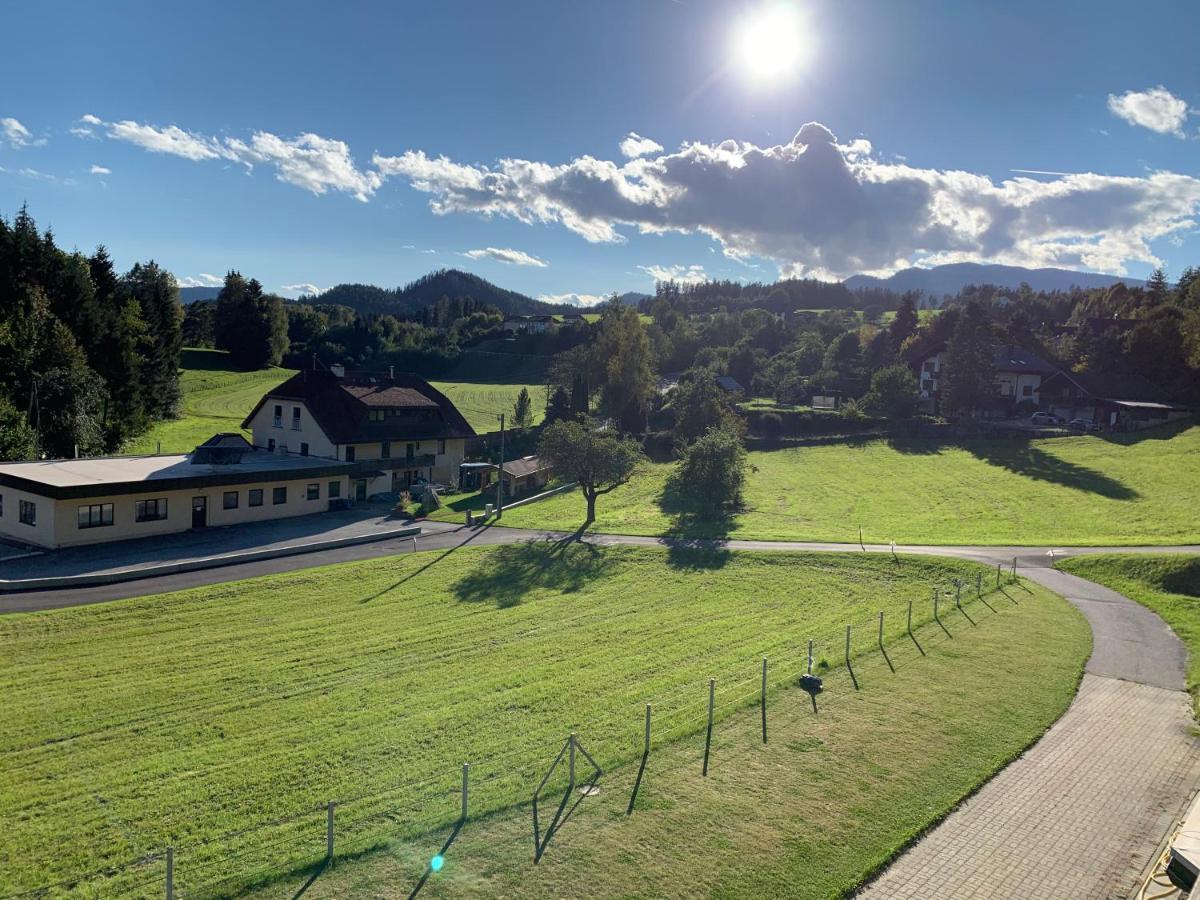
[827, 801]
[1097, 490]
[178, 719]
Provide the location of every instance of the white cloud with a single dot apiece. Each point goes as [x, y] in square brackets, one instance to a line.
[89, 119]
[302, 288]
[582, 300]
[311, 162]
[85, 130]
[17, 135]
[822, 209]
[36, 175]
[1157, 109]
[100, 170]
[635, 145]
[683, 274]
[201, 280]
[507, 255]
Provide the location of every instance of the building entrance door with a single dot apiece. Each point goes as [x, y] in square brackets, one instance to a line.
[199, 512]
[360, 490]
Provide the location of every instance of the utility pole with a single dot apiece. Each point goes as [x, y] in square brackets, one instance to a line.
[500, 479]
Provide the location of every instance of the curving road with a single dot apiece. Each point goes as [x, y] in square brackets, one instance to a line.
[1079, 815]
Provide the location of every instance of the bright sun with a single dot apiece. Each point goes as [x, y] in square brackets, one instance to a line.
[772, 42]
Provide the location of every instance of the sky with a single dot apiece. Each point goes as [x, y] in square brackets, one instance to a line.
[570, 150]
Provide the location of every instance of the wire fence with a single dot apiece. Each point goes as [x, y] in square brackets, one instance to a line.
[300, 840]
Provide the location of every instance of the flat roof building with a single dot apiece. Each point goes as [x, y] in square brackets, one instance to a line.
[224, 481]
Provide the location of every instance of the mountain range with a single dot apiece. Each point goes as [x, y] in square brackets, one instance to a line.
[937, 281]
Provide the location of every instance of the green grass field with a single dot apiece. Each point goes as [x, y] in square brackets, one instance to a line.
[1169, 585]
[179, 719]
[481, 404]
[1083, 490]
[217, 398]
[827, 801]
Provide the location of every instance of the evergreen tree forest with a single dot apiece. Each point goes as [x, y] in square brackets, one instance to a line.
[88, 357]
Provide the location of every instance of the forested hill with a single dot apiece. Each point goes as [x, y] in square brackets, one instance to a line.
[428, 290]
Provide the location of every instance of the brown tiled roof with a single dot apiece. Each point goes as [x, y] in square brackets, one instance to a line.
[340, 407]
[388, 396]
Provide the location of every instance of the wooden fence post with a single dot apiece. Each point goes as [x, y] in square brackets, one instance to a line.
[712, 687]
[571, 742]
[329, 831]
[764, 700]
[646, 750]
[466, 775]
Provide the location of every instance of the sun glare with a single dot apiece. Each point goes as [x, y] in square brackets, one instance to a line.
[772, 42]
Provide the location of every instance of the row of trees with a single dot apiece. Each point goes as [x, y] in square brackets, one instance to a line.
[88, 357]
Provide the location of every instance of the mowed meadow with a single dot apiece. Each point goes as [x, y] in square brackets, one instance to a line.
[220, 720]
[1081, 490]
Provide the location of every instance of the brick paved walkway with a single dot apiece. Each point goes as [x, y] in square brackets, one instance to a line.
[1082, 812]
[1079, 815]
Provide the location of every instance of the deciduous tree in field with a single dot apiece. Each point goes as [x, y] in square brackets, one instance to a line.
[598, 458]
[893, 392]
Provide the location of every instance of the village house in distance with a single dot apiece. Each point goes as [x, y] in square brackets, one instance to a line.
[320, 439]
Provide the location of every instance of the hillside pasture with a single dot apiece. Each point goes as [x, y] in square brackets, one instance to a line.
[220, 720]
[1087, 490]
[482, 403]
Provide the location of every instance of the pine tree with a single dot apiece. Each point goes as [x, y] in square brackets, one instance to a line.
[523, 410]
[969, 370]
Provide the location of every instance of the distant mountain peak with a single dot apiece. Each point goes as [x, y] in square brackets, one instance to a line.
[951, 278]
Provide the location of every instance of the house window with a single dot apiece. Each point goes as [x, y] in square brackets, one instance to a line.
[278, 495]
[385, 449]
[95, 515]
[254, 497]
[442, 446]
[313, 492]
[231, 499]
[27, 512]
[150, 510]
[335, 489]
[271, 444]
[410, 450]
[295, 418]
[349, 454]
[278, 420]
[376, 415]
[303, 448]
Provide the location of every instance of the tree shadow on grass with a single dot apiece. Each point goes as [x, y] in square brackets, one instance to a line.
[510, 572]
[1026, 460]
[694, 537]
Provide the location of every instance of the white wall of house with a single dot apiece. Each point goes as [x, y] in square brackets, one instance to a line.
[289, 430]
[41, 532]
[1019, 386]
[58, 520]
[447, 455]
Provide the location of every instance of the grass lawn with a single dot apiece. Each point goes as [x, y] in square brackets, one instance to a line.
[216, 398]
[178, 719]
[1169, 585]
[481, 404]
[1066, 491]
[830, 799]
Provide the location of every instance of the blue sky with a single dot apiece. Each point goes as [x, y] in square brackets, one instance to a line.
[315, 143]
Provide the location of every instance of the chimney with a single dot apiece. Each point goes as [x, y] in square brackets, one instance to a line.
[338, 370]
[391, 373]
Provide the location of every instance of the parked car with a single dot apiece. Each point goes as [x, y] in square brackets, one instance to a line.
[1045, 418]
[1083, 425]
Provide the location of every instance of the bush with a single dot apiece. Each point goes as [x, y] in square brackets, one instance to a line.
[660, 445]
[852, 410]
[709, 479]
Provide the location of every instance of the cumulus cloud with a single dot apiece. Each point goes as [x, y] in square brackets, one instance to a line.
[581, 300]
[819, 208]
[17, 135]
[1157, 109]
[309, 161]
[201, 280]
[100, 170]
[507, 255]
[303, 288]
[635, 145]
[693, 274]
